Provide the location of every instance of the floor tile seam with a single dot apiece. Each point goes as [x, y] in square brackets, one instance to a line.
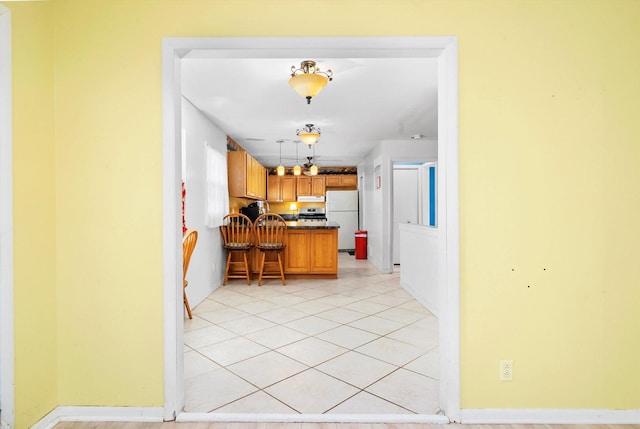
[273, 321]
[351, 349]
[314, 366]
[395, 320]
[244, 359]
[214, 343]
[381, 359]
[316, 333]
[427, 350]
[212, 325]
[387, 399]
[417, 372]
[229, 403]
[379, 397]
[364, 316]
[205, 356]
[396, 367]
[271, 384]
[203, 374]
[342, 402]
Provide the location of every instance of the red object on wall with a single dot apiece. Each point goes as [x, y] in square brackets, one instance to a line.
[361, 244]
[184, 224]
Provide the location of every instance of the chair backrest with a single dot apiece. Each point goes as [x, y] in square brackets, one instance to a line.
[236, 228]
[270, 229]
[188, 244]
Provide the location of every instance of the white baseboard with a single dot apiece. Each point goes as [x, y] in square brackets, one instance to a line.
[549, 416]
[100, 414]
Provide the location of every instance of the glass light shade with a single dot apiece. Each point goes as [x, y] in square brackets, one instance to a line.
[280, 170]
[308, 85]
[293, 206]
[297, 170]
[314, 170]
[309, 138]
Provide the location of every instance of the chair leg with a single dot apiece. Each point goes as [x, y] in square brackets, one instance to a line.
[284, 281]
[226, 270]
[186, 304]
[246, 268]
[263, 255]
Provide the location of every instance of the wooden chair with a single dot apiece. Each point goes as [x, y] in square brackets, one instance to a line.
[270, 238]
[188, 244]
[237, 237]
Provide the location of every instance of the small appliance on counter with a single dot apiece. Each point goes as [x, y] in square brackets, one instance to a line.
[311, 213]
[252, 211]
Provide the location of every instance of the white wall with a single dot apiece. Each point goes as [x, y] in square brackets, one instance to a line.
[419, 259]
[379, 201]
[207, 262]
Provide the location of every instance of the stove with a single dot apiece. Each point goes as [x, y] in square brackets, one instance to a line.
[306, 214]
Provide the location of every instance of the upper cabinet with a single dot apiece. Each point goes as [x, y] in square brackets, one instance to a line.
[311, 186]
[281, 188]
[342, 181]
[247, 177]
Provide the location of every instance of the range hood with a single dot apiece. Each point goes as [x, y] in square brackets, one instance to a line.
[310, 199]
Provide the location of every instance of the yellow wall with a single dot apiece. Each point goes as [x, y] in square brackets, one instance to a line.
[548, 158]
[34, 212]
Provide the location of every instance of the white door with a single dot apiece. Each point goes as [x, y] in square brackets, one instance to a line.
[406, 203]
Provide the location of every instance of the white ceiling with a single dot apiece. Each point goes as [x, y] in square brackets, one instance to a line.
[370, 100]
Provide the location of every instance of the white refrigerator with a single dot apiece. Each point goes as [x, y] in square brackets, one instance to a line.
[342, 208]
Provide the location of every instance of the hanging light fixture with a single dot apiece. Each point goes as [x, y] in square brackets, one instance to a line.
[297, 169]
[309, 134]
[308, 80]
[280, 168]
[314, 168]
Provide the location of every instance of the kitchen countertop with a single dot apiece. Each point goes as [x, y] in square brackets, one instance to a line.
[312, 224]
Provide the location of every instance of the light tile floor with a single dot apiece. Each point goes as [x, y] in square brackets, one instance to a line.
[356, 345]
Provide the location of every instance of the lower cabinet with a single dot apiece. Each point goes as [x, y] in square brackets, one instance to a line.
[311, 251]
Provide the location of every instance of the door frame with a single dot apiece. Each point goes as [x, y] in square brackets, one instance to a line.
[445, 49]
[7, 399]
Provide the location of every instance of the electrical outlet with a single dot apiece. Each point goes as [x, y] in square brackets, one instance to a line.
[506, 370]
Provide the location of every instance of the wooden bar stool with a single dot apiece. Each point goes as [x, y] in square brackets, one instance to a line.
[238, 239]
[270, 235]
[188, 244]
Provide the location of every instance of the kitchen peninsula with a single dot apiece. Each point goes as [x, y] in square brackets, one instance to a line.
[311, 245]
[312, 250]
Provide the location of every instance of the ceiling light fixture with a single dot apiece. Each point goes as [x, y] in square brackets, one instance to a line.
[297, 169]
[308, 80]
[280, 168]
[314, 168]
[309, 134]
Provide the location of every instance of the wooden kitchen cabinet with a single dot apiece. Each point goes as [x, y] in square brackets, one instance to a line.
[296, 254]
[323, 249]
[342, 181]
[281, 188]
[312, 251]
[247, 177]
[311, 186]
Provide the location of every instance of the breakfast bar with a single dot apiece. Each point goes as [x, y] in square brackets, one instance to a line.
[312, 249]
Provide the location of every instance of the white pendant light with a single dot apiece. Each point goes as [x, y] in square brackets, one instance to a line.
[280, 168]
[313, 170]
[297, 170]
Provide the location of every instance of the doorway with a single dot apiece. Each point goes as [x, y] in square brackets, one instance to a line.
[6, 225]
[442, 48]
[406, 203]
